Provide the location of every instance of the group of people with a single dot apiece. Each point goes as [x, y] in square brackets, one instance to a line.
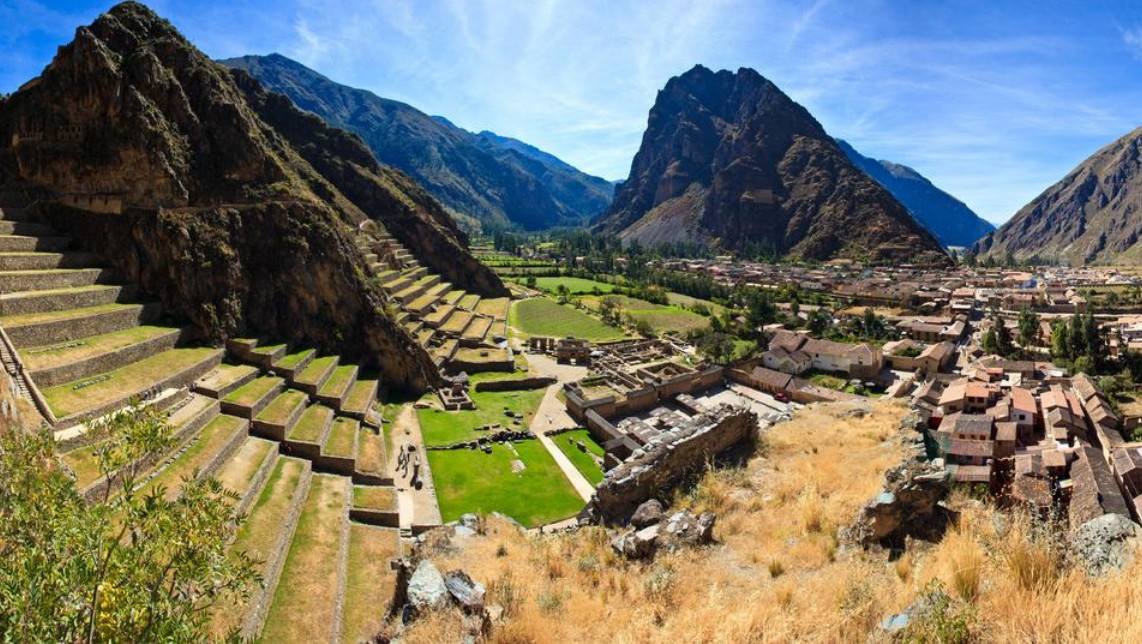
[409, 457]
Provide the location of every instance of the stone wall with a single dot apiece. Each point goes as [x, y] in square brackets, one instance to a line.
[516, 384]
[669, 460]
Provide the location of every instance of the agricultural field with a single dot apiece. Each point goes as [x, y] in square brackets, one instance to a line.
[469, 480]
[662, 318]
[583, 461]
[441, 427]
[543, 316]
[575, 285]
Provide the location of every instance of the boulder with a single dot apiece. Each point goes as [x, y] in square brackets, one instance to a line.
[647, 514]
[468, 594]
[426, 588]
[636, 544]
[909, 506]
[685, 529]
[1106, 543]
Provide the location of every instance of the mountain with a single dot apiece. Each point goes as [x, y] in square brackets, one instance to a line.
[1093, 215]
[952, 222]
[239, 211]
[729, 159]
[497, 180]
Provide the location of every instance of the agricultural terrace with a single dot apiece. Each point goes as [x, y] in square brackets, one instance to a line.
[518, 479]
[575, 285]
[546, 317]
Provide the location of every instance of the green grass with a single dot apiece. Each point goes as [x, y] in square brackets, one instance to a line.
[446, 427]
[582, 461]
[87, 393]
[290, 360]
[209, 442]
[69, 352]
[342, 438]
[576, 285]
[376, 497]
[545, 317]
[278, 411]
[252, 391]
[358, 398]
[472, 481]
[65, 314]
[314, 370]
[338, 381]
[662, 318]
[269, 348]
[311, 425]
[369, 581]
[828, 381]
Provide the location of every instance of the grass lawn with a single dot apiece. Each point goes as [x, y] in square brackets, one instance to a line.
[282, 407]
[339, 381]
[542, 316]
[253, 391]
[828, 381]
[679, 299]
[342, 438]
[662, 319]
[472, 481]
[303, 605]
[368, 583]
[377, 497]
[68, 352]
[311, 425]
[315, 370]
[446, 427]
[583, 461]
[575, 285]
[291, 360]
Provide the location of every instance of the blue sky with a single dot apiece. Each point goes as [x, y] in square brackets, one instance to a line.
[993, 101]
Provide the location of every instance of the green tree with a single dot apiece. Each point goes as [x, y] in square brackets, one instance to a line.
[819, 322]
[531, 282]
[717, 347]
[1060, 340]
[1028, 327]
[133, 566]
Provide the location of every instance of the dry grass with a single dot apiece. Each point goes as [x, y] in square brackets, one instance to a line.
[779, 574]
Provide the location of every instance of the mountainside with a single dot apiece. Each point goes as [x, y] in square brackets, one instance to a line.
[1093, 215]
[497, 180]
[729, 159]
[237, 209]
[948, 218]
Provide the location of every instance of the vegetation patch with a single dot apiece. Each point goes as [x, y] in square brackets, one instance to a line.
[584, 461]
[544, 317]
[369, 581]
[473, 481]
[441, 427]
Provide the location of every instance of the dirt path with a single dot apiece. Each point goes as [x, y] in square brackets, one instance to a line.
[417, 507]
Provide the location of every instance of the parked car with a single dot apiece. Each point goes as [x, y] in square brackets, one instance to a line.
[781, 396]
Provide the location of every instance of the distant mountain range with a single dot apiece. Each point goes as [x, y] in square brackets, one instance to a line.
[1092, 215]
[496, 180]
[727, 158]
[948, 218]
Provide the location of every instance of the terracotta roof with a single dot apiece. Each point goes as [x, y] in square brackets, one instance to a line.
[1006, 431]
[971, 473]
[973, 424]
[1054, 458]
[771, 378]
[1095, 491]
[1022, 400]
[953, 393]
[977, 390]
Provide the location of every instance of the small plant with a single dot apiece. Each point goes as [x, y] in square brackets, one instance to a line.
[776, 568]
[659, 584]
[549, 601]
[939, 619]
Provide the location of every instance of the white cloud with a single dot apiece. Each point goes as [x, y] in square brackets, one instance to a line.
[1133, 40]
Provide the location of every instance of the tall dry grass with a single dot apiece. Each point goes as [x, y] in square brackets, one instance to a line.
[778, 573]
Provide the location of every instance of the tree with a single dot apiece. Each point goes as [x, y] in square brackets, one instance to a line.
[717, 347]
[531, 282]
[1060, 340]
[1003, 338]
[563, 292]
[644, 328]
[819, 322]
[137, 565]
[1028, 328]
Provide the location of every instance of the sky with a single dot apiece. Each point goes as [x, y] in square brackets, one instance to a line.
[992, 101]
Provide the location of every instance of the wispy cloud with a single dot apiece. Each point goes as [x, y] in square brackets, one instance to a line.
[1132, 38]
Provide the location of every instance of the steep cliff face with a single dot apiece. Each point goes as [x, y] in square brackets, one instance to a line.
[223, 216]
[948, 218]
[1092, 215]
[729, 159]
[496, 180]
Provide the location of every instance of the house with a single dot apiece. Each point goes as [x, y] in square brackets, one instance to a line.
[796, 362]
[861, 360]
[1094, 489]
[1024, 412]
[935, 357]
[977, 397]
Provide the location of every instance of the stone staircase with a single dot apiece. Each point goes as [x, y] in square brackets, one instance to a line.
[442, 318]
[87, 341]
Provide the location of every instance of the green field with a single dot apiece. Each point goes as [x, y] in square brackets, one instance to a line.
[472, 481]
[575, 285]
[662, 318]
[541, 316]
[441, 427]
[582, 461]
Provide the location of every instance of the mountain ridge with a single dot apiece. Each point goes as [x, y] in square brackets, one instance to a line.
[729, 159]
[493, 179]
[948, 218]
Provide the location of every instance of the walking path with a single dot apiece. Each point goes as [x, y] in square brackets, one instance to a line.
[552, 416]
[417, 507]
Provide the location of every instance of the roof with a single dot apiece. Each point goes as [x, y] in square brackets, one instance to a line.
[977, 390]
[937, 351]
[1022, 400]
[1095, 491]
[963, 447]
[771, 378]
[1083, 385]
[953, 393]
[971, 473]
[1006, 431]
[1032, 490]
[974, 424]
[1054, 458]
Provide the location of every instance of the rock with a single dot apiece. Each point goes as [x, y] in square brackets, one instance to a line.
[463, 531]
[894, 623]
[647, 514]
[636, 544]
[909, 506]
[470, 520]
[426, 588]
[706, 527]
[683, 528]
[1106, 543]
[468, 594]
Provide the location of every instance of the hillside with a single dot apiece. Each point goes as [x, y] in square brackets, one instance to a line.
[497, 180]
[228, 204]
[948, 218]
[1091, 216]
[729, 159]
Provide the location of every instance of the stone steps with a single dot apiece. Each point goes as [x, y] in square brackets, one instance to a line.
[293, 363]
[265, 356]
[417, 289]
[369, 579]
[339, 450]
[313, 377]
[25, 228]
[54, 364]
[26, 243]
[251, 398]
[478, 328]
[360, 397]
[201, 456]
[453, 297]
[445, 351]
[278, 417]
[336, 387]
[245, 472]
[372, 458]
[57, 278]
[305, 438]
[31, 261]
[32, 329]
[425, 335]
[315, 563]
[438, 317]
[429, 299]
[457, 322]
[94, 396]
[65, 298]
[225, 379]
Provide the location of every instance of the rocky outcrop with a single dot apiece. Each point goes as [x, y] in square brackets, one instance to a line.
[497, 180]
[1106, 544]
[910, 506]
[1092, 215]
[682, 529]
[948, 218]
[234, 208]
[729, 159]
